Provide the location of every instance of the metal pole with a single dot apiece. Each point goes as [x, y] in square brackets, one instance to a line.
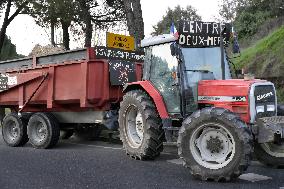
[222, 52]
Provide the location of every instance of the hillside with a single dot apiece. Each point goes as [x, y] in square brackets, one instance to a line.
[265, 58]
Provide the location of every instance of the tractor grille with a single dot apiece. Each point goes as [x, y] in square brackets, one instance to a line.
[265, 101]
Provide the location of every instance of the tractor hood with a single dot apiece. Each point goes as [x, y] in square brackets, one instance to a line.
[243, 97]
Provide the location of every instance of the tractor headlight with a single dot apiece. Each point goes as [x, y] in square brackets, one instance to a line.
[270, 108]
[259, 109]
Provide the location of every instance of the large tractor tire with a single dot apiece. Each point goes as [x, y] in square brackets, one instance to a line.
[14, 130]
[140, 126]
[270, 154]
[215, 144]
[43, 130]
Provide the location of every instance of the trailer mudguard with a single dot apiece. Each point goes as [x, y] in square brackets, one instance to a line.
[148, 87]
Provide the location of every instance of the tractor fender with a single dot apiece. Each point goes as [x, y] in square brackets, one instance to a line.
[148, 87]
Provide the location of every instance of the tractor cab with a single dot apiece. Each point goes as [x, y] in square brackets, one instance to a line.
[175, 63]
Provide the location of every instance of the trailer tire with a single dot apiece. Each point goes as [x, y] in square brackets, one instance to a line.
[140, 126]
[266, 156]
[215, 144]
[14, 130]
[43, 130]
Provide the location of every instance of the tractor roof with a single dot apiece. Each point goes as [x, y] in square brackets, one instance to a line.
[156, 40]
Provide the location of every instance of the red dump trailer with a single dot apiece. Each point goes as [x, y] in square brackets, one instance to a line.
[65, 90]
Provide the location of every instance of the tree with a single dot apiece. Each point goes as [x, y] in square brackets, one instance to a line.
[134, 19]
[228, 9]
[83, 14]
[8, 50]
[7, 4]
[173, 16]
[101, 14]
[52, 13]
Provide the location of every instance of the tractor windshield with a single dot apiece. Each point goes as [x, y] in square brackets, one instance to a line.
[205, 59]
[201, 64]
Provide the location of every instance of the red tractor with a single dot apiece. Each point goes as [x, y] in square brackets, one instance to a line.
[188, 97]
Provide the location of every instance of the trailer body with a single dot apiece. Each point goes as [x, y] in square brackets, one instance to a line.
[76, 86]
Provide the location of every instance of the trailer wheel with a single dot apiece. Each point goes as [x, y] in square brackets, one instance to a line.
[14, 130]
[270, 154]
[43, 130]
[140, 126]
[215, 144]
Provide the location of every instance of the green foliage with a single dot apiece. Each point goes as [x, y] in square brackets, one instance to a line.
[9, 50]
[175, 15]
[248, 22]
[266, 57]
[280, 95]
[249, 15]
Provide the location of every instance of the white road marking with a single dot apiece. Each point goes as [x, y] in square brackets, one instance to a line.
[90, 145]
[281, 187]
[105, 147]
[176, 161]
[252, 177]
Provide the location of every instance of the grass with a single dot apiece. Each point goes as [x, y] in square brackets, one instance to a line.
[266, 57]
[280, 95]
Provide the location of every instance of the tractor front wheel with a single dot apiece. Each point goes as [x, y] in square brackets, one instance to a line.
[215, 144]
[140, 126]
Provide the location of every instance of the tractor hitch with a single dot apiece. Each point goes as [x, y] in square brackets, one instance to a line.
[269, 129]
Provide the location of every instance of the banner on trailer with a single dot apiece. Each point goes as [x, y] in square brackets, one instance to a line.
[121, 72]
[203, 34]
[119, 54]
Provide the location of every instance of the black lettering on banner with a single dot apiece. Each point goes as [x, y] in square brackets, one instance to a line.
[118, 54]
[202, 34]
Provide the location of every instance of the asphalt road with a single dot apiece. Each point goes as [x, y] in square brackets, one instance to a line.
[77, 164]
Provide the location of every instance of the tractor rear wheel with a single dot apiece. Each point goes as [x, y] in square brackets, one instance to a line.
[43, 130]
[215, 144]
[14, 130]
[140, 126]
[270, 154]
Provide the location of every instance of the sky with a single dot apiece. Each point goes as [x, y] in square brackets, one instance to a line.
[24, 32]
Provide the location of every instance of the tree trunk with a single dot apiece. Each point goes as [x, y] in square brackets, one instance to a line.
[138, 19]
[129, 17]
[88, 31]
[66, 40]
[52, 28]
[8, 20]
[134, 19]
[5, 24]
[85, 10]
